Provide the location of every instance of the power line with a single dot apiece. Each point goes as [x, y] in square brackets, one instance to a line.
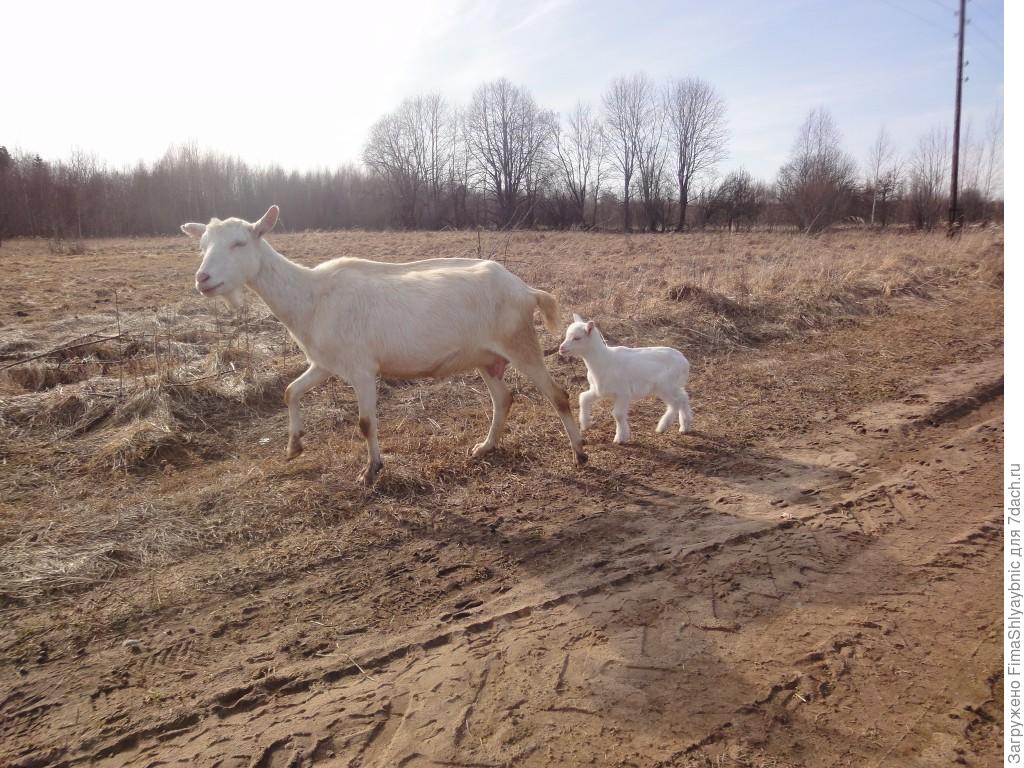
[978, 7]
[933, 23]
[919, 17]
[981, 31]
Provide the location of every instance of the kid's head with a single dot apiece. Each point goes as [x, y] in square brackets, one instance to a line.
[578, 336]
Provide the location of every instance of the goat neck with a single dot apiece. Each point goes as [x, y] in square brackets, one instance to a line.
[597, 350]
[286, 287]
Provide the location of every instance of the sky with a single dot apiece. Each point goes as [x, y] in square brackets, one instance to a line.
[299, 84]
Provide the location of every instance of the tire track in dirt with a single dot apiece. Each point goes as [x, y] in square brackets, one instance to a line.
[618, 649]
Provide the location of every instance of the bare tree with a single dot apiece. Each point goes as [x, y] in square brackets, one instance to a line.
[459, 171]
[600, 172]
[992, 163]
[651, 155]
[393, 152]
[929, 178]
[625, 107]
[704, 200]
[880, 164]
[39, 197]
[972, 199]
[6, 189]
[697, 133]
[737, 199]
[888, 187]
[971, 157]
[80, 172]
[440, 128]
[412, 148]
[816, 184]
[506, 134]
[579, 150]
[541, 172]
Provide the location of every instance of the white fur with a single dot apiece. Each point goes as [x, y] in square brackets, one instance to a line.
[358, 319]
[625, 374]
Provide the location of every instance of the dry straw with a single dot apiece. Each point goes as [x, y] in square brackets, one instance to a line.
[176, 390]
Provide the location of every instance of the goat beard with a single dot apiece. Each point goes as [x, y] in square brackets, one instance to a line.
[234, 298]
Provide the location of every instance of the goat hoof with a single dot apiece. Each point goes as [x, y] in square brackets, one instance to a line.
[369, 474]
[481, 449]
[581, 458]
[294, 449]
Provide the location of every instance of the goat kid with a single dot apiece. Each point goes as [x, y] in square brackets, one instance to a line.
[359, 319]
[625, 374]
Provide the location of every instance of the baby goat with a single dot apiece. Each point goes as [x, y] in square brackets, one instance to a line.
[625, 374]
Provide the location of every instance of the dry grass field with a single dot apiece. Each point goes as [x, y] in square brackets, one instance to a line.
[809, 579]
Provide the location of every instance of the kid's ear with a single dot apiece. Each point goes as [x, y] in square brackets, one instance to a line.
[193, 229]
[590, 327]
[576, 318]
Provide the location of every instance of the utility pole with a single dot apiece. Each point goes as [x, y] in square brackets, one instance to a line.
[954, 182]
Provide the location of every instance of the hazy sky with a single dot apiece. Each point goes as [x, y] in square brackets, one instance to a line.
[299, 84]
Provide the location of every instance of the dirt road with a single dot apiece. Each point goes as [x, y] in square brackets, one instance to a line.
[830, 600]
[811, 579]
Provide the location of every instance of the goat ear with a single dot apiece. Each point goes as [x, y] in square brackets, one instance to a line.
[193, 230]
[576, 318]
[590, 326]
[264, 225]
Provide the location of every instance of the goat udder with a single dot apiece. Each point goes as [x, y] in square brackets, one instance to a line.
[496, 368]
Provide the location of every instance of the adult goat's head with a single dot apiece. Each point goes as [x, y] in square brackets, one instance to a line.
[229, 250]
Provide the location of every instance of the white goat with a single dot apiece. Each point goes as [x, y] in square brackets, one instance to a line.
[625, 374]
[359, 319]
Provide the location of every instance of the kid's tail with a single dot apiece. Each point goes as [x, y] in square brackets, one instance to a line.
[548, 306]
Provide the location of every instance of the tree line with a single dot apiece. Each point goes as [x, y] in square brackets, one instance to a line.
[647, 157]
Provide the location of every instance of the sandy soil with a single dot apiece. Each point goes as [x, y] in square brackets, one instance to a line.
[810, 579]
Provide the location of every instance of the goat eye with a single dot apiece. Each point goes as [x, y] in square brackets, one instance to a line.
[239, 244]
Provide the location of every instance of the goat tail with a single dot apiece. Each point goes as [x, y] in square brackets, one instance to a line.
[548, 306]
